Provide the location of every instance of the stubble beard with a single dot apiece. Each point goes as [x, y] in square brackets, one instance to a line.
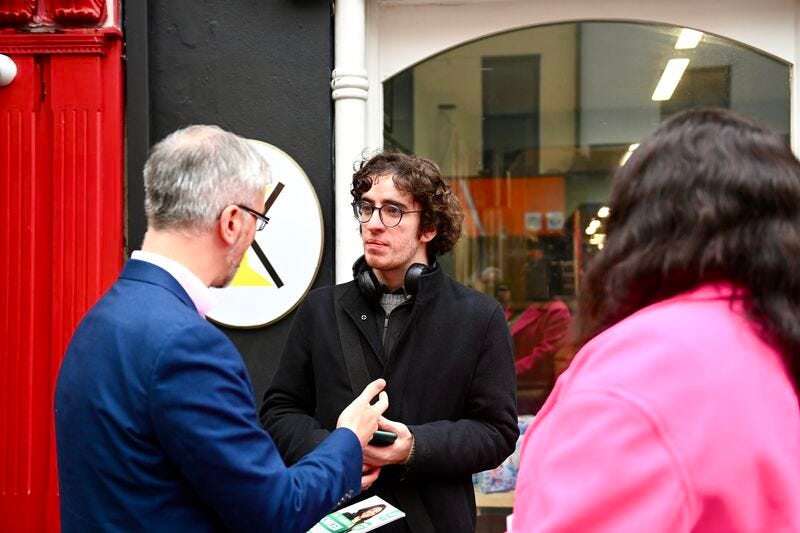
[232, 262]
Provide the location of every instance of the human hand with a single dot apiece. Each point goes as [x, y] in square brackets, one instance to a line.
[397, 452]
[369, 474]
[362, 418]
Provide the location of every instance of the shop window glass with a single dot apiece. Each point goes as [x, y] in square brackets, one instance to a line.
[530, 124]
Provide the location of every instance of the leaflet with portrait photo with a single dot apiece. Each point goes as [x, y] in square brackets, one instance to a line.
[362, 516]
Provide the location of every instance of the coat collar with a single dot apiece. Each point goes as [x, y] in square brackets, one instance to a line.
[149, 273]
[529, 315]
[429, 284]
[713, 291]
[361, 310]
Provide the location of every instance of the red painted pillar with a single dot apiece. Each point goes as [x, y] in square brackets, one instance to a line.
[61, 225]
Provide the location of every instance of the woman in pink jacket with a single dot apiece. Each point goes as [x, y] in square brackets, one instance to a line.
[680, 412]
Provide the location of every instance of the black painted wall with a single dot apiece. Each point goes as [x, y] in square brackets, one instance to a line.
[258, 68]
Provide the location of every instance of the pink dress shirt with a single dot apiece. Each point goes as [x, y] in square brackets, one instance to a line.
[678, 418]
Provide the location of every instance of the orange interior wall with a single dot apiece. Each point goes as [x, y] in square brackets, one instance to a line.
[503, 202]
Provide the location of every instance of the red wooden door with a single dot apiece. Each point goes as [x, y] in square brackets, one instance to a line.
[61, 235]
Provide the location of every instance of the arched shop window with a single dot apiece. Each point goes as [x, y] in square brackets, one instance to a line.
[530, 124]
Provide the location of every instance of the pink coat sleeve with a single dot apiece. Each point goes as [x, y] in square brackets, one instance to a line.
[599, 462]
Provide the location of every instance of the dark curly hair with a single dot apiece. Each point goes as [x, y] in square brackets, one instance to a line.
[420, 178]
[709, 196]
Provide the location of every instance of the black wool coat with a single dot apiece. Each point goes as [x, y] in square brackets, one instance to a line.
[450, 379]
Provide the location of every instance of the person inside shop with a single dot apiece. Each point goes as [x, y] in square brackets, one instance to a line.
[486, 280]
[443, 349]
[156, 428]
[680, 412]
[539, 330]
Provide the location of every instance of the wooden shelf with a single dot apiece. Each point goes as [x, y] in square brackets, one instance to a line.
[495, 499]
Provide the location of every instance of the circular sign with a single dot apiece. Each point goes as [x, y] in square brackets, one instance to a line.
[278, 269]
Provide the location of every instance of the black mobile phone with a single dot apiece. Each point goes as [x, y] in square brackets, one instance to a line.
[382, 438]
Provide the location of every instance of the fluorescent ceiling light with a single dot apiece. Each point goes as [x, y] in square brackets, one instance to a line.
[622, 161]
[598, 239]
[688, 39]
[593, 226]
[669, 79]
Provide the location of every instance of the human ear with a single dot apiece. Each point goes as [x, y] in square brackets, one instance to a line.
[428, 234]
[230, 224]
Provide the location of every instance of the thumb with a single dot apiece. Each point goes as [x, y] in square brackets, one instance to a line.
[390, 425]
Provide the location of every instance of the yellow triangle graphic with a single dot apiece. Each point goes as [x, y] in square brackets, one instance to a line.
[247, 277]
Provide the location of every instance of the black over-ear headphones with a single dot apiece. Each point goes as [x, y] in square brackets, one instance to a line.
[370, 287]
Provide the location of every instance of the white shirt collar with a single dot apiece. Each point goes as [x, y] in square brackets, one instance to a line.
[200, 294]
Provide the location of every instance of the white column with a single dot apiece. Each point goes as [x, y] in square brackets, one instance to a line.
[349, 84]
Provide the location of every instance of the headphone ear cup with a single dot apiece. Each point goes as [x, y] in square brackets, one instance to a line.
[411, 280]
[365, 279]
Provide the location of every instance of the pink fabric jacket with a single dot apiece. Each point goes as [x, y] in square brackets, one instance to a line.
[678, 418]
[538, 333]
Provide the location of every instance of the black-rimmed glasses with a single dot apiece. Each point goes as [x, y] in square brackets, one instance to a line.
[390, 215]
[262, 220]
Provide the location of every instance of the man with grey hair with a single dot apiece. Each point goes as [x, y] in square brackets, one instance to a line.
[156, 427]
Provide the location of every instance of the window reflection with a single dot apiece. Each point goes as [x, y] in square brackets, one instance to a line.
[529, 125]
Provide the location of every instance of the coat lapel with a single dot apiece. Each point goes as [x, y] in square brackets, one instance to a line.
[362, 315]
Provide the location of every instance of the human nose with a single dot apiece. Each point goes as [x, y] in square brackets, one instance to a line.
[374, 221]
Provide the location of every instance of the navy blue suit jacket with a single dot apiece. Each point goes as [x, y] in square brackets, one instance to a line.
[156, 428]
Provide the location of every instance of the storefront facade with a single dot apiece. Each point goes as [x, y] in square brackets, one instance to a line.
[529, 107]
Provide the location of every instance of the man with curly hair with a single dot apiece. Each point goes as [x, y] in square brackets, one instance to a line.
[444, 350]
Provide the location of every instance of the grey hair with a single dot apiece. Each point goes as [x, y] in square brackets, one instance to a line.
[197, 171]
